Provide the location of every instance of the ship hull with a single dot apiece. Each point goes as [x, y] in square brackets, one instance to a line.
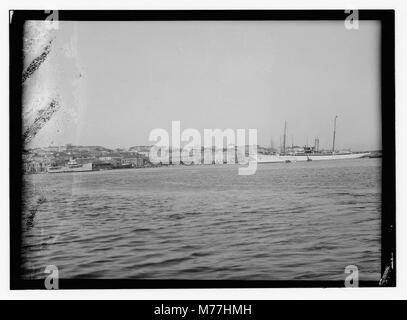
[303, 158]
[82, 168]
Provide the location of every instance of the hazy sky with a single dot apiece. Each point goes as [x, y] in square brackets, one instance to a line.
[132, 77]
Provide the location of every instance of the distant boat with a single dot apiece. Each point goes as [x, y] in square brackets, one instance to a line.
[310, 157]
[310, 153]
[71, 166]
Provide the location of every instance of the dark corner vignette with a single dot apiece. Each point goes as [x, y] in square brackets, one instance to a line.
[18, 75]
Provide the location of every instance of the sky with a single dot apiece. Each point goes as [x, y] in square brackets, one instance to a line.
[119, 80]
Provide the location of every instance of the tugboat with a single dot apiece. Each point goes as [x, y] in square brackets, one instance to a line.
[71, 166]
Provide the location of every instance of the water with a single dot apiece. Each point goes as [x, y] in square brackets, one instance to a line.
[295, 221]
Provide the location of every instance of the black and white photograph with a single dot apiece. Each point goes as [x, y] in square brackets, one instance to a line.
[207, 149]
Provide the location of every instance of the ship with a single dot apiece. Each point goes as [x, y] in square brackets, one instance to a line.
[71, 166]
[310, 157]
[310, 153]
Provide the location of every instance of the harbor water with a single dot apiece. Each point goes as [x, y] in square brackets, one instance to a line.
[289, 221]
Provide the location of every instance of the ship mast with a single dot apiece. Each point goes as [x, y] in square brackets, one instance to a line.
[285, 133]
[333, 141]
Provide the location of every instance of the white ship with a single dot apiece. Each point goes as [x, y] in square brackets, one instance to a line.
[309, 153]
[71, 166]
[309, 157]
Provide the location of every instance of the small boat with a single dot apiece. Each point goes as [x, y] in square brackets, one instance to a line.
[71, 166]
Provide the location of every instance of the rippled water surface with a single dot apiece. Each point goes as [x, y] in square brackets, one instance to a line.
[288, 221]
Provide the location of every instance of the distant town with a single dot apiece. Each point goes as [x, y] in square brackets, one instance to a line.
[39, 160]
